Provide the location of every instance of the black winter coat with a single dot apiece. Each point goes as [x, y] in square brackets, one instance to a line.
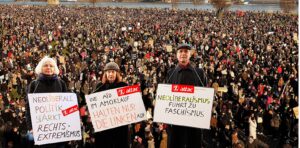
[180, 136]
[116, 137]
[189, 76]
[43, 85]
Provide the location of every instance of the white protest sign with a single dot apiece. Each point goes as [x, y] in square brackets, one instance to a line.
[223, 89]
[55, 117]
[169, 48]
[2, 77]
[116, 107]
[123, 28]
[184, 105]
[295, 37]
[296, 112]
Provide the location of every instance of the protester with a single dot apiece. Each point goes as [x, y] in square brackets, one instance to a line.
[185, 73]
[249, 55]
[119, 136]
[47, 82]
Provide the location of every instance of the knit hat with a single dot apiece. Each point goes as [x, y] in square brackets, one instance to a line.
[111, 66]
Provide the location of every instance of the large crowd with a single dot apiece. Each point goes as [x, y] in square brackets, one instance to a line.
[250, 58]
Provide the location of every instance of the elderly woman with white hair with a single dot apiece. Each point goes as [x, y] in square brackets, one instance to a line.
[46, 82]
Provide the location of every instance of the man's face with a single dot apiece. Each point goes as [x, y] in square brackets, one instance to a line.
[183, 56]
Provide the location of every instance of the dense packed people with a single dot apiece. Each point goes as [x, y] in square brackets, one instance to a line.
[251, 60]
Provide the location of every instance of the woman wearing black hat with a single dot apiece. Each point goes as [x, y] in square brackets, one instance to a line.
[116, 137]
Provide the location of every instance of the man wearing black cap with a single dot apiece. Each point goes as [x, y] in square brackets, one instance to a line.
[185, 73]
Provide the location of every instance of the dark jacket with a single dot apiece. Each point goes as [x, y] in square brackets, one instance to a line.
[116, 137]
[189, 76]
[256, 144]
[44, 85]
[180, 136]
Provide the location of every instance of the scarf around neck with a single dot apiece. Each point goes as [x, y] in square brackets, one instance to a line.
[47, 77]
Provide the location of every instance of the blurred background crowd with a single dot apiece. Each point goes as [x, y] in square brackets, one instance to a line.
[250, 58]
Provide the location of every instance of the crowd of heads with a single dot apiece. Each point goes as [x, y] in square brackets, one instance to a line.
[253, 55]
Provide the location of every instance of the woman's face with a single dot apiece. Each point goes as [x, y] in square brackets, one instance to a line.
[48, 68]
[111, 75]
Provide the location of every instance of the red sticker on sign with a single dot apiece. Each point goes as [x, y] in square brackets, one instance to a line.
[128, 90]
[183, 88]
[70, 110]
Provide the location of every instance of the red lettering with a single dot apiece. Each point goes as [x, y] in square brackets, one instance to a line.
[128, 90]
[183, 88]
[101, 123]
[70, 110]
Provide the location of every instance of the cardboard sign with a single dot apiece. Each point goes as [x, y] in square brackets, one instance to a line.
[223, 89]
[184, 105]
[123, 28]
[169, 48]
[295, 109]
[295, 37]
[55, 117]
[62, 59]
[116, 107]
[151, 42]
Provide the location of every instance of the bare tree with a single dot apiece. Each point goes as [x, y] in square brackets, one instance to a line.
[53, 2]
[198, 2]
[221, 6]
[93, 2]
[174, 4]
[288, 6]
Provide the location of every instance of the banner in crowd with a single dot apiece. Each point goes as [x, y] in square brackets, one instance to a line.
[295, 109]
[223, 89]
[55, 117]
[184, 105]
[151, 42]
[116, 107]
[169, 48]
[295, 37]
[1, 78]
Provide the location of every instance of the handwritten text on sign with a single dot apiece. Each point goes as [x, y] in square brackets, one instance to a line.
[116, 107]
[177, 104]
[55, 117]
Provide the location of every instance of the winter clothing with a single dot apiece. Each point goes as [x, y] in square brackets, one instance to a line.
[111, 66]
[180, 136]
[112, 138]
[45, 84]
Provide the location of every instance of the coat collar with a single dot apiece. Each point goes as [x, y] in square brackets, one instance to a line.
[180, 68]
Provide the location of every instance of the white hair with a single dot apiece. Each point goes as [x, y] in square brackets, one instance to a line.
[38, 69]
